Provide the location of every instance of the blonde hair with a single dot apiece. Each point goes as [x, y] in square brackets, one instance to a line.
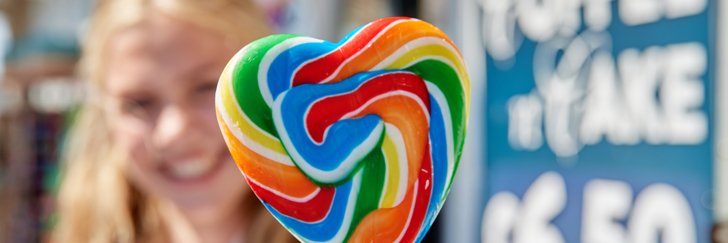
[97, 202]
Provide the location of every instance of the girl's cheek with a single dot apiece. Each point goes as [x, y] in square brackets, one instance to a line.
[132, 140]
[206, 107]
[205, 111]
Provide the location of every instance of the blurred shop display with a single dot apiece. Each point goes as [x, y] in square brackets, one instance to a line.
[38, 89]
[599, 122]
[331, 20]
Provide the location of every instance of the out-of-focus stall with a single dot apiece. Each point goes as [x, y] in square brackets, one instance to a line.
[594, 121]
[38, 89]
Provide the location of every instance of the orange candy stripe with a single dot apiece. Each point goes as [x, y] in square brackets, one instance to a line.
[407, 115]
[282, 178]
[386, 44]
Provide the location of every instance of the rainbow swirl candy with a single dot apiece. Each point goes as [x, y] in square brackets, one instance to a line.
[350, 141]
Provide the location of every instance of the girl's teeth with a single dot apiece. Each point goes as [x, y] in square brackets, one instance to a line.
[191, 169]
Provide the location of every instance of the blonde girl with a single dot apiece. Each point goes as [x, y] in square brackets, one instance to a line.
[145, 161]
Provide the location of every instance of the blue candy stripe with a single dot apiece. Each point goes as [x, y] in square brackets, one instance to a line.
[339, 216]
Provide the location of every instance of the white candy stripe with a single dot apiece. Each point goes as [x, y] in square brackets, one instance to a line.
[460, 72]
[348, 59]
[406, 94]
[412, 209]
[397, 139]
[286, 196]
[245, 140]
[344, 168]
[437, 94]
[413, 44]
[349, 213]
[326, 131]
[268, 59]
[295, 71]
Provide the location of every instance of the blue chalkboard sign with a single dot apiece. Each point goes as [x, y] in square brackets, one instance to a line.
[600, 120]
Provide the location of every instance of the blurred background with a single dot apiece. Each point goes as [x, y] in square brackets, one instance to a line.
[591, 120]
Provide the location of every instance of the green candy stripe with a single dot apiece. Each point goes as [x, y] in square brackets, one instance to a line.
[246, 89]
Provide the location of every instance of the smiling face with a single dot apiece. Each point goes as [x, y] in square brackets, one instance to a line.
[161, 78]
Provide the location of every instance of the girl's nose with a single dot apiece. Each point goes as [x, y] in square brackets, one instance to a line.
[174, 130]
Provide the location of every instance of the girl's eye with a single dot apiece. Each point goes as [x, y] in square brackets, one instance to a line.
[208, 86]
[138, 106]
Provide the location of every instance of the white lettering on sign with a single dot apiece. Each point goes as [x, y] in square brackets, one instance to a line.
[525, 112]
[530, 220]
[540, 20]
[659, 212]
[633, 12]
[585, 97]
[657, 99]
[662, 212]
[606, 202]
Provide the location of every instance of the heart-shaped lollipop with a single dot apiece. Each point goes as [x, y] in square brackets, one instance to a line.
[351, 141]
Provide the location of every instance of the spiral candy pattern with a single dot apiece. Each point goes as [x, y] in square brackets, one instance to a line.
[351, 141]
